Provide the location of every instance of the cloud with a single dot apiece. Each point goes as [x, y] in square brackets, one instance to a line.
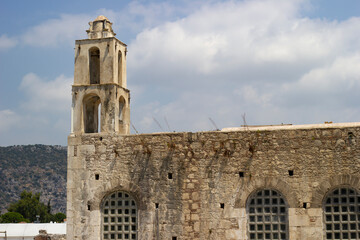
[53, 96]
[8, 119]
[262, 57]
[131, 19]
[335, 85]
[6, 42]
[342, 74]
[43, 114]
[55, 32]
[195, 61]
[239, 38]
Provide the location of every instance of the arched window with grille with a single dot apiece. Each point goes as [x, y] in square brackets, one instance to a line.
[267, 212]
[119, 216]
[341, 207]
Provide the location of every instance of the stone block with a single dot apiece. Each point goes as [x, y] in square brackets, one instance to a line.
[86, 150]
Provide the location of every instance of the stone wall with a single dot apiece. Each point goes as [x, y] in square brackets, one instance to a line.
[43, 235]
[196, 185]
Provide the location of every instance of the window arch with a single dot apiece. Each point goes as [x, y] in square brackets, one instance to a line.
[92, 107]
[94, 65]
[340, 209]
[267, 213]
[119, 216]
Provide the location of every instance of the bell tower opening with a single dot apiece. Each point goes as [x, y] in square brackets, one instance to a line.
[121, 109]
[91, 114]
[120, 68]
[94, 65]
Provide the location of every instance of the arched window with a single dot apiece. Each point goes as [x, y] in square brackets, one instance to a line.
[267, 213]
[341, 208]
[91, 114]
[120, 68]
[121, 109]
[119, 216]
[94, 65]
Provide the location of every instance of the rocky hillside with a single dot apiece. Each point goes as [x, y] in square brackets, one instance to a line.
[36, 168]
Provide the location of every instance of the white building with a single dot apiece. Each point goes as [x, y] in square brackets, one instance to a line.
[27, 231]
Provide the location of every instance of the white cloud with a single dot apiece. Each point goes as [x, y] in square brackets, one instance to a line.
[43, 114]
[218, 60]
[342, 74]
[54, 95]
[132, 18]
[8, 119]
[54, 32]
[238, 38]
[261, 57]
[251, 95]
[6, 42]
[140, 15]
[334, 87]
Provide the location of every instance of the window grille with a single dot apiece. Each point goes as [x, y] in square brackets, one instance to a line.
[119, 217]
[342, 214]
[267, 215]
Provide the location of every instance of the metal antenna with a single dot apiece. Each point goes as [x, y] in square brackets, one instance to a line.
[244, 121]
[213, 123]
[167, 124]
[134, 128]
[158, 124]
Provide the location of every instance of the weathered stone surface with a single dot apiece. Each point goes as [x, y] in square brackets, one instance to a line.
[43, 235]
[205, 174]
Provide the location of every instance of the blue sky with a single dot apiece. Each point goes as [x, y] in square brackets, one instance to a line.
[277, 61]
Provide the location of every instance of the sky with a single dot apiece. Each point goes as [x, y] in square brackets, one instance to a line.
[188, 61]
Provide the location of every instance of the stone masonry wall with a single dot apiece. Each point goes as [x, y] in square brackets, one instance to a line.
[43, 235]
[213, 174]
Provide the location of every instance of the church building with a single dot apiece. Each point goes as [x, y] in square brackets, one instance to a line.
[293, 182]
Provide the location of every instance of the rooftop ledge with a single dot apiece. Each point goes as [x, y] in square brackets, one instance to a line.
[243, 129]
[291, 127]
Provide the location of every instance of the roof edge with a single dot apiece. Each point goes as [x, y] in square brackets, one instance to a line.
[292, 127]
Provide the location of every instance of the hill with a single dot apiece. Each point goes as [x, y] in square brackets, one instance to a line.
[36, 168]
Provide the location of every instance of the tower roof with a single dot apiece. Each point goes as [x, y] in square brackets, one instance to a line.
[101, 27]
[101, 18]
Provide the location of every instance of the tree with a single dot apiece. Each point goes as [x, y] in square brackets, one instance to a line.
[29, 206]
[59, 217]
[12, 217]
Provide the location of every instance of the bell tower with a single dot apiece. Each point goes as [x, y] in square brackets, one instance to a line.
[100, 99]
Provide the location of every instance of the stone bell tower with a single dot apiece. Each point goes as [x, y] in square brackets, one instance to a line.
[100, 99]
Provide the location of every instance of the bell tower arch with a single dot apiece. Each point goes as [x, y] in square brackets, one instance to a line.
[100, 99]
